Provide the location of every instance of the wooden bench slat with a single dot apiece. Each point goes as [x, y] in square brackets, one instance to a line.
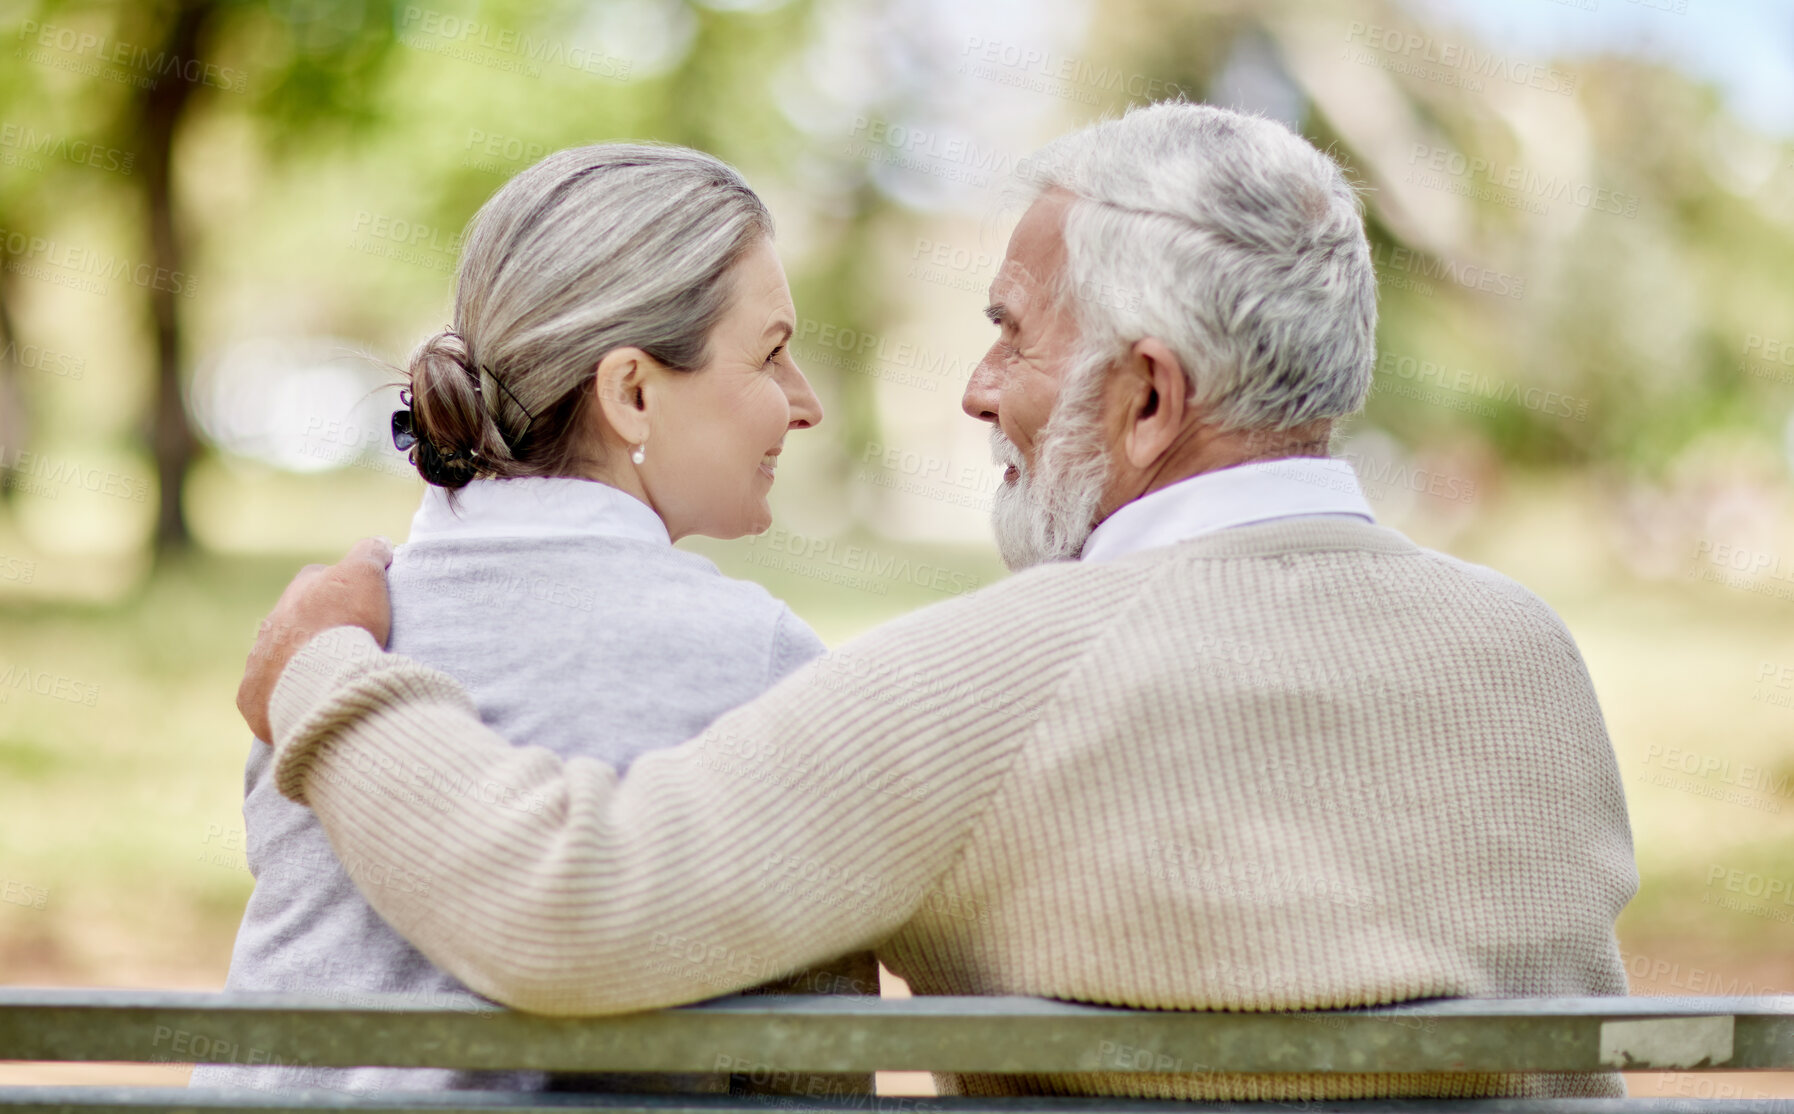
[841, 1034]
[176, 1100]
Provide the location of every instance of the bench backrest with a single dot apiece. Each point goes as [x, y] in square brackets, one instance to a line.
[846, 1034]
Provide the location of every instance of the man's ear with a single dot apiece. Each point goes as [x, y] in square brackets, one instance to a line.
[622, 384]
[1154, 402]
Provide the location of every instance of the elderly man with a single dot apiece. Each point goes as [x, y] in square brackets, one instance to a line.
[1222, 743]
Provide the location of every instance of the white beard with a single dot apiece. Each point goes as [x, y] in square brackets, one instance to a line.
[1048, 514]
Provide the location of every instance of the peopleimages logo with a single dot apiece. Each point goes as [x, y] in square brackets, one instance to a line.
[953, 158]
[1720, 768]
[1040, 70]
[22, 678]
[850, 558]
[525, 52]
[36, 357]
[1464, 381]
[1743, 559]
[17, 569]
[1413, 47]
[31, 145]
[1768, 358]
[1525, 185]
[497, 149]
[18, 468]
[14, 892]
[1751, 884]
[104, 49]
[1408, 262]
[78, 262]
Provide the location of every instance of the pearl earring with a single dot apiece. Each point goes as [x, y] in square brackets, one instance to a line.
[640, 454]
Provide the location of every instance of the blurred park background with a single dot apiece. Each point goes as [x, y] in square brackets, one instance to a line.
[221, 219]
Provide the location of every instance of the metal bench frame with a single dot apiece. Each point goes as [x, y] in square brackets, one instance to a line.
[835, 1034]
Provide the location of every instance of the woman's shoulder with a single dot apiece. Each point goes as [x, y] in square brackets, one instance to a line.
[794, 641]
[592, 597]
[609, 575]
[703, 574]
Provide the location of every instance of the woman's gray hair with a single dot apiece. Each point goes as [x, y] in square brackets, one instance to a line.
[1232, 240]
[591, 249]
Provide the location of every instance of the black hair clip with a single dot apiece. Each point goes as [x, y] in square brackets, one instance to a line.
[510, 442]
[432, 463]
[404, 434]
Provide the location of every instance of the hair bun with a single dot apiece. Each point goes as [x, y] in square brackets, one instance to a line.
[451, 425]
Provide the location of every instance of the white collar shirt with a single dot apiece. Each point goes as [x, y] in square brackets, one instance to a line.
[1261, 491]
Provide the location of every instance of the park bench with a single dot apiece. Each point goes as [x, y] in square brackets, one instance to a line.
[768, 1038]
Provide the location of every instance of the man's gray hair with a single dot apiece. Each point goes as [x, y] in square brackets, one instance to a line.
[1231, 239]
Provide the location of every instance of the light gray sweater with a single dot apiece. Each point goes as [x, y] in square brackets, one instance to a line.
[563, 608]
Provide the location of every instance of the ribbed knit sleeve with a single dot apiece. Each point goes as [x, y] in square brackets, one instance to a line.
[560, 888]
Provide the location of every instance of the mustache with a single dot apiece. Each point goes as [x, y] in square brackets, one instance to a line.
[1003, 450]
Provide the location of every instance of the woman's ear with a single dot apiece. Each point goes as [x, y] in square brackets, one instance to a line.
[621, 382]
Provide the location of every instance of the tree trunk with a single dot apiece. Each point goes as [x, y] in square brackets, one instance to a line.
[14, 421]
[159, 116]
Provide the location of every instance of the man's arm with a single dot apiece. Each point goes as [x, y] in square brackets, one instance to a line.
[812, 821]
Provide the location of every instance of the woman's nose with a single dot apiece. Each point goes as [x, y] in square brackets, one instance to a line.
[806, 408]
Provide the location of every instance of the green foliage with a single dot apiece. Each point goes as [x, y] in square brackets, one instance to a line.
[1641, 317]
[320, 65]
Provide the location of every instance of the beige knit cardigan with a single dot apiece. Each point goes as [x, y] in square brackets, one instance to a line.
[1300, 765]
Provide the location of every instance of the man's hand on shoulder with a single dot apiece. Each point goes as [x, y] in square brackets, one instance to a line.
[350, 593]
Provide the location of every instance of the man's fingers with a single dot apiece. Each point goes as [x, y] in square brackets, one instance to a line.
[376, 551]
[353, 576]
[350, 592]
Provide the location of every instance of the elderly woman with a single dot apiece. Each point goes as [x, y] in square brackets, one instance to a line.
[617, 378]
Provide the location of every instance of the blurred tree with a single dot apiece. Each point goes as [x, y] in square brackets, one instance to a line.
[305, 64]
[21, 192]
[14, 417]
[153, 118]
[1587, 294]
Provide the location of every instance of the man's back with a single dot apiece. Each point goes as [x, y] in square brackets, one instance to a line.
[1304, 769]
